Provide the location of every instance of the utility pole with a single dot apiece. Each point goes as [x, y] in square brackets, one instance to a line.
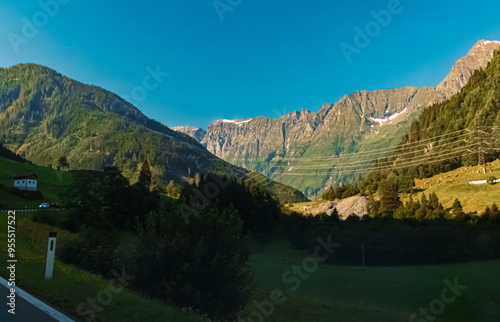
[481, 160]
[481, 157]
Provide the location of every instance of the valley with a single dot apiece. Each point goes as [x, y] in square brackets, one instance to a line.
[373, 196]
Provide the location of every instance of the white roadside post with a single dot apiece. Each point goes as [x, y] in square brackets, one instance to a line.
[51, 251]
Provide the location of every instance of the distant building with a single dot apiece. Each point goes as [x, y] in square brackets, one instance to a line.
[26, 182]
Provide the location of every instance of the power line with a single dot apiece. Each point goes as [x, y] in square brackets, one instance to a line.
[402, 165]
[393, 137]
[351, 162]
[388, 149]
[407, 164]
[411, 145]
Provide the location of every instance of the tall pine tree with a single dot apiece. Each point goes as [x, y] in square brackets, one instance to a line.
[145, 176]
[389, 197]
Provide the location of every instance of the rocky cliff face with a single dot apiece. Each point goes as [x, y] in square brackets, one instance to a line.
[194, 132]
[279, 147]
[302, 148]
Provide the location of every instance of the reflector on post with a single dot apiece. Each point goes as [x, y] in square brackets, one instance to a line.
[51, 251]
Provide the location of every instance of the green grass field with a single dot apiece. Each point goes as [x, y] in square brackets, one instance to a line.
[346, 293]
[51, 183]
[455, 184]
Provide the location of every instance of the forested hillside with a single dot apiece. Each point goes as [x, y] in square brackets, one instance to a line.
[463, 131]
[45, 116]
[457, 132]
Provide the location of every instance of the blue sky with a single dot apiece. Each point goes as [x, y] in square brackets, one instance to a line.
[265, 57]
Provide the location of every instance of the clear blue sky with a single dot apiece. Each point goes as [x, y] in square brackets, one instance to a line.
[265, 58]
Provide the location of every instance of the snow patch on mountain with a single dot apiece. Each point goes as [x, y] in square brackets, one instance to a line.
[237, 122]
[388, 119]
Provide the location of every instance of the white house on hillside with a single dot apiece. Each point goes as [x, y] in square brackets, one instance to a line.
[26, 182]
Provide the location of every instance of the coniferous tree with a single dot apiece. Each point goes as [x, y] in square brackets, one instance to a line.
[145, 176]
[389, 197]
[329, 195]
[62, 163]
[433, 201]
[458, 210]
[116, 196]
[201, 262]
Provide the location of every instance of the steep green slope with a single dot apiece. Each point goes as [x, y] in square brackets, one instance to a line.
[452, 185]
[44, 116]
[458, 131]
[51, 184]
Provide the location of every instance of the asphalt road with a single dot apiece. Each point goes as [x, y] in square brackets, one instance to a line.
[28, 308]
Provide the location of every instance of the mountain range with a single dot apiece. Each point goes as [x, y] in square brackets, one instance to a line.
[45, 116]
[312, 151]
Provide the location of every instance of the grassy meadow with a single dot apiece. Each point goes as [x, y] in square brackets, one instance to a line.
[51, 183]
[348, 293]
[455, 184]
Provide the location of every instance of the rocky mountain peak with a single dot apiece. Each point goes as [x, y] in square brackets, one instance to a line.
[478, 57]
[194, 132]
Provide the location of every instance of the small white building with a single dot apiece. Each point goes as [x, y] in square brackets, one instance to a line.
[26, 182]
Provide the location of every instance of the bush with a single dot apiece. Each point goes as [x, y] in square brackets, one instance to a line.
[92, 250]
[195, 258]
[492, 179]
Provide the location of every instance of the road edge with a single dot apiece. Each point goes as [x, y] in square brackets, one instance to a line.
[50, 311]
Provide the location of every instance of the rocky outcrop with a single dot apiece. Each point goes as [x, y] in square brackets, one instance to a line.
[194, 132]
[356, 205]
